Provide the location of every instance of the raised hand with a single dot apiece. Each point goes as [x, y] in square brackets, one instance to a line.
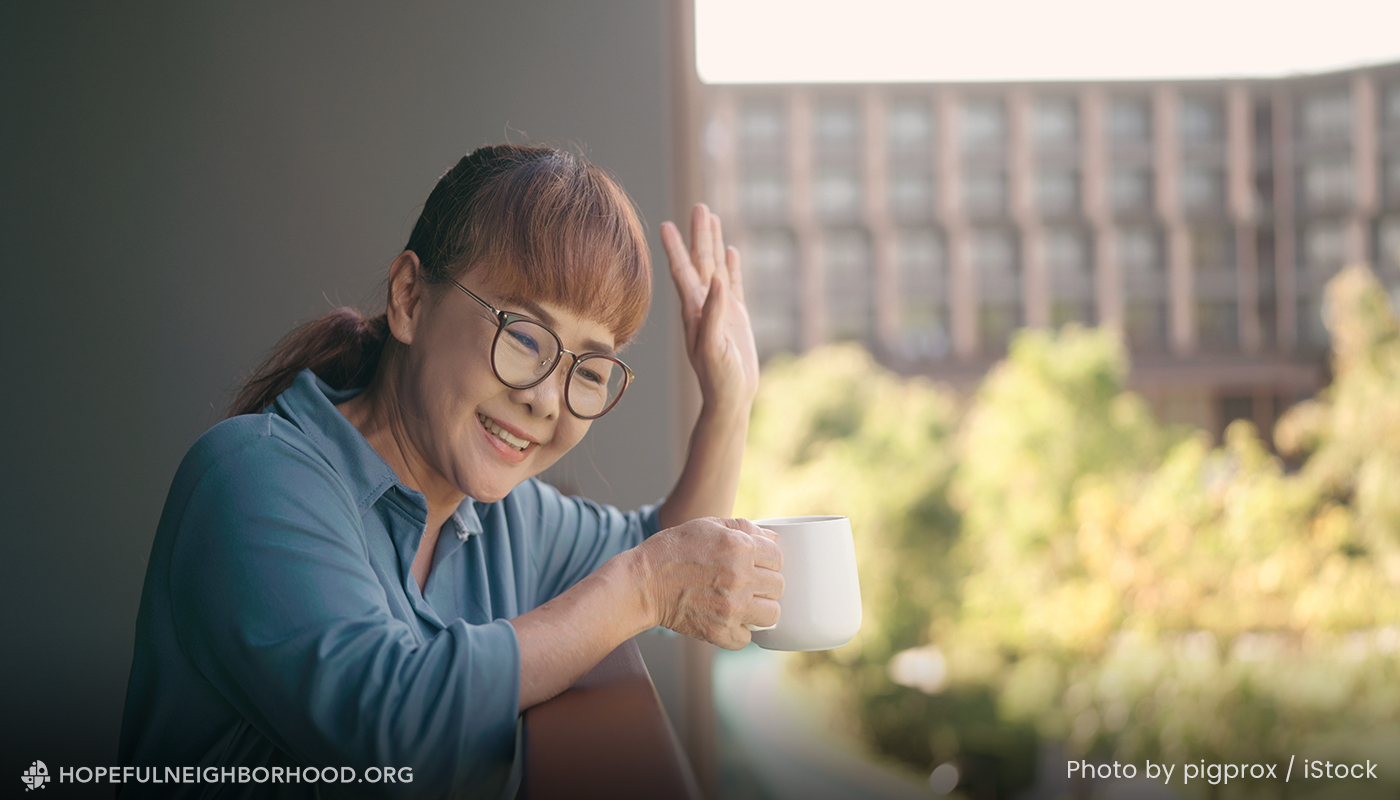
[718, 335]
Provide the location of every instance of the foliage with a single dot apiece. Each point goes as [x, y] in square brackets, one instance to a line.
[1048, 562]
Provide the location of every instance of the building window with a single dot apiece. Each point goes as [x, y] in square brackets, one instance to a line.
[1144, 287]
[848, 284]
[770, 275]
[995, 261]
[1216, 287]
[762, 129]
[1071, 280]
[1202, 188]
[836, 193]
[1217, 324]
[909, 127]
[1056, 123]
[1312, 331]
[911, 194]
[1388, 258]
[1202, 120]
[1267, 285]
[923, 296]
[984, 192]
[763, 194]
[1213, 249]
[1388, 245]
[1129, 121]
[837, 128]
[1325, 248]
[1140, 251]
[1328, 182]
[983, 124]
[1327, 116]
[1392, 104]
[1130, 189]
[1057, 191]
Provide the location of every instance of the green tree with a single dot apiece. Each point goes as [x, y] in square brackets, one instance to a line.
[1047, 562]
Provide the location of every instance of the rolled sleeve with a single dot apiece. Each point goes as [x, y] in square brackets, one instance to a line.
[277, 605]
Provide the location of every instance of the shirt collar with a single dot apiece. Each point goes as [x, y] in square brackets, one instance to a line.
[310, 404]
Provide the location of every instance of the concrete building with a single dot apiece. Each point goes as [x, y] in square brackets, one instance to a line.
[930, 221]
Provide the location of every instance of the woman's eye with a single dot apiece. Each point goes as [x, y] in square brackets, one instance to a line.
[591, 376]
[525, 340]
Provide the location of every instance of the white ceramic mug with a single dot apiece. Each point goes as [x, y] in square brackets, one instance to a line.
[821, 595]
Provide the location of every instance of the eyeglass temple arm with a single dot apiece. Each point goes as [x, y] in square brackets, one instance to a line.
[494, 311]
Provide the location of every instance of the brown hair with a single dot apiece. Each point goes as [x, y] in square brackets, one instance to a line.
[544, 223]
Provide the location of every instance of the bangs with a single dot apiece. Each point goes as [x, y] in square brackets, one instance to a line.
[543, 225]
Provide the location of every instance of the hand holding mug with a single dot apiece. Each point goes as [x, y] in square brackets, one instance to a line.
[709, 578]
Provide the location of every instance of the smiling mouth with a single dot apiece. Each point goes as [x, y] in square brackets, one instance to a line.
[504, 435]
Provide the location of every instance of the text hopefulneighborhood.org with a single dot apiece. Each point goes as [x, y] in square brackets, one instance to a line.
[176, 775]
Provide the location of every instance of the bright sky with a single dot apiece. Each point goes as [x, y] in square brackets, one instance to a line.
[821, 41]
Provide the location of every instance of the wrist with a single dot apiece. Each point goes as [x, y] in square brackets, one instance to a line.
[726, 411]
[633, 572]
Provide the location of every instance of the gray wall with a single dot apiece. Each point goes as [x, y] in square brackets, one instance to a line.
[181, 184]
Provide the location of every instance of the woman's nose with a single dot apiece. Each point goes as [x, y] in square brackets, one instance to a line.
[546, 398]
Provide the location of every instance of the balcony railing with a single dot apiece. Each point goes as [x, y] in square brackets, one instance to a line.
[606, 737]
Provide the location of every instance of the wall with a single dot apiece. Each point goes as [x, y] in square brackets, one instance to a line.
[181, 184]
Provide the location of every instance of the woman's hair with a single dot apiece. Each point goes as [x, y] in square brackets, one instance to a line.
[541, 223]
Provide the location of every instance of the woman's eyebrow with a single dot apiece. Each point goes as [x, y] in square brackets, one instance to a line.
[534, 310]
[531, 308]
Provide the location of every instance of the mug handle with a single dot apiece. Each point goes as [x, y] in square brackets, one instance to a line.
[756, 628]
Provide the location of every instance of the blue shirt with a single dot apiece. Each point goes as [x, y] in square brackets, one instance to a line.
[280, 625]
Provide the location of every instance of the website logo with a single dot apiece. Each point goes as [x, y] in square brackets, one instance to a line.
[35, 777]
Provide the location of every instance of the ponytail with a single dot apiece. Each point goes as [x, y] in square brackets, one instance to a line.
[342, 348]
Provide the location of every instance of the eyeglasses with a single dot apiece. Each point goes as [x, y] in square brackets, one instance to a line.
[525, 352]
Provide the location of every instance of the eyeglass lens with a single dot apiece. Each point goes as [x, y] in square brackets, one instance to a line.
[526, 351]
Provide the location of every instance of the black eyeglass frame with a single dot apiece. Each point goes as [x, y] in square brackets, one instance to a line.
[504, 318]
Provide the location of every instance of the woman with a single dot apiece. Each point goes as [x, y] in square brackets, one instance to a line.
[358, 567]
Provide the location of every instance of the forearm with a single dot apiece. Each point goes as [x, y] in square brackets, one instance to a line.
[564, 638]
[710, 478]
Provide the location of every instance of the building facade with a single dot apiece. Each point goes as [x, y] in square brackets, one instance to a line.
[1201, 219]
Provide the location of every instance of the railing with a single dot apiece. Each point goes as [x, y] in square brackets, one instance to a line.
[606, 737]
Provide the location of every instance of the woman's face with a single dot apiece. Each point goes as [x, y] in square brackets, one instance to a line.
[454, 408]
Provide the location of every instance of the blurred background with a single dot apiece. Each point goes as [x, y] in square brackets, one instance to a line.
[1082, 312]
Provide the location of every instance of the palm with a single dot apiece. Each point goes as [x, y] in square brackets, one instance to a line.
[718, 335]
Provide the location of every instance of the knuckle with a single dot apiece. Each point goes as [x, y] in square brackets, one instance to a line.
[735, 543]
[735, 575]
[730, 606]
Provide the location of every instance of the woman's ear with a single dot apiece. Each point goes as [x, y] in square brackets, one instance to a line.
[407, 292]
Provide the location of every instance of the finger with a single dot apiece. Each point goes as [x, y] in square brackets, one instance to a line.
[717, 246]
[767, 555]
[750, 527]
[736, 274]
[769, 583]
[702, 243]
[763, 611]
[712, 315]
[746, 525]
[739, 638]
[688, 285]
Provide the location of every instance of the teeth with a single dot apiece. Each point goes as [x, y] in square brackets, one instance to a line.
[503, 434]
